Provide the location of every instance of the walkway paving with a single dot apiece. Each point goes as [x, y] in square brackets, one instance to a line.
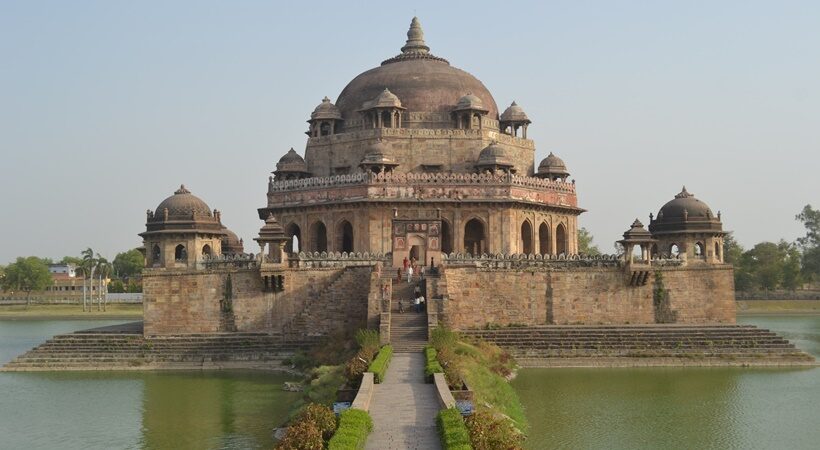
[404, 408]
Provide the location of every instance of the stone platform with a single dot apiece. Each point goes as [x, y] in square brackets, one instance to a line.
[123, 347]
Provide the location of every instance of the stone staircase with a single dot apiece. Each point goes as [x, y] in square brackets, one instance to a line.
[408, 330]
[124, 351]
[727, 343]
[344, 281]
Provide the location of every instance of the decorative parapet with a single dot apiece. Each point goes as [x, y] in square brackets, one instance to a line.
[354, 130]
[372, 179]
[523, 261]
[336, 259]
[241, 261]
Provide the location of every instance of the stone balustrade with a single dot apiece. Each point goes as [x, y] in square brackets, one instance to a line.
[521, 261]
[336, 259]
[243, 261]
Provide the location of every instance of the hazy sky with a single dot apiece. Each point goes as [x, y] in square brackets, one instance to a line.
[106, 107]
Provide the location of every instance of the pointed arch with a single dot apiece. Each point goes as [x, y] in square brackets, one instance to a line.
[526, 237]
[446, 238]
[180, 253]
[475, 237]
[561, 243]
[207, 250]
[544, 243]
[344, 236]
[156, 255]
[294, 234]
[318, 237]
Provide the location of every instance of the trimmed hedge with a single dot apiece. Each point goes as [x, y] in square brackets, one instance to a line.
[354, 426]
[452, 430]
[431, 364]
[379, 364]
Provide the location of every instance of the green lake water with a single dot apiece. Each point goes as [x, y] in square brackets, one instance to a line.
[132, 410]
[652, 408]
[686, 408]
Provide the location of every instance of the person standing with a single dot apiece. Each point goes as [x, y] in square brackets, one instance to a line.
[410, 274]
[405, 263]
[417, 302]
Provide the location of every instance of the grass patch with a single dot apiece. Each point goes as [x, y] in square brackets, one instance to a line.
[71, 311]
[380, 363]
[351, 434]
[325, 380]
[452, 430]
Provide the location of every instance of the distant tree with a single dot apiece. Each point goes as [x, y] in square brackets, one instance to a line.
[134, 287]
[103, 269]
[116, 287]
[810, 243]
[2, 275]
[87, 268]
[733, 253]
[585, 245]
[128, 264]
[73, 260]
[791, 266]
[732, 250]
[766, 261]
[27, 275]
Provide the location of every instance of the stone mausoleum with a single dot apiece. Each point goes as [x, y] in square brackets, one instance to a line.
[416, 160]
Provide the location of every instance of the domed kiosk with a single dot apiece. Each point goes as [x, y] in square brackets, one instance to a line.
[686, 227]
[181, 231]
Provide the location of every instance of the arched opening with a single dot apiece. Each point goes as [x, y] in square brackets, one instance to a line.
[674, 250]
[318, 237]
[526, 237]
[344, 236]
[654, 252]
[180, 254]
[544, 239]
[386, 119]
[699, 252]
[206, 250]
[474, 237]
[324, 129]
[561, 239]
[446, 238]
[294, 235]
[155, 255]
[637, 253]
[717, 252]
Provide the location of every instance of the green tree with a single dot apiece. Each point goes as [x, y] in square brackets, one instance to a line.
[810, 243]
[73, 260]
[128, 264]
[791, 266]
[585, 245]
[733, 253]
[765, 262]
[27, 275]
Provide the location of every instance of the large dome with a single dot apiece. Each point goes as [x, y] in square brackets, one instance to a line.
[423, 82]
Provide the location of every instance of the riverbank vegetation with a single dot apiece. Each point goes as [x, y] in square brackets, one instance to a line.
[52, 312]
[783, 265]
[484, 368]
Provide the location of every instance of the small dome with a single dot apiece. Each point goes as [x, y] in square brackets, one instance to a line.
[378, 153]
[552, 166]
[514, 113]
[685, 213]
[470, 101]
[386, 99]
[291, 162]
[326, 110]
[494, 155]
[183, 206]
[231, 244]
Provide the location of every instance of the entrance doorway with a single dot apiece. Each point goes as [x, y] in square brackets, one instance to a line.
[418, 247]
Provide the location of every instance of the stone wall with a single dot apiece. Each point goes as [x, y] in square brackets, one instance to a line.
[314, 300]
[474, 297]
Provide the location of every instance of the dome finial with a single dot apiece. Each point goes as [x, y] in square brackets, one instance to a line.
[182, 190]
[684, 193]
[415, 39]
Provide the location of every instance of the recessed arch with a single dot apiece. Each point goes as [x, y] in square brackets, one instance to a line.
[344, 236]
[474, 237]
[318, 237]
[526, 237]
[717, 252]
[544, 243]
[561, 246]
[674, 249]
[180, 253]
[294, 234]
[446, 238]
[207, 250]
[700, 252]
[156, 255]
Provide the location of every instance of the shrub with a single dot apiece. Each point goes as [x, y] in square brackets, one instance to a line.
[326, 381]
[368, 341]
[319, 415]
[303, 435]
[379, 364]
[452, 367]
[453, 432]
[491, 433]
[355, 367]
[441, 338]
[431, 364]
[354, 426]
